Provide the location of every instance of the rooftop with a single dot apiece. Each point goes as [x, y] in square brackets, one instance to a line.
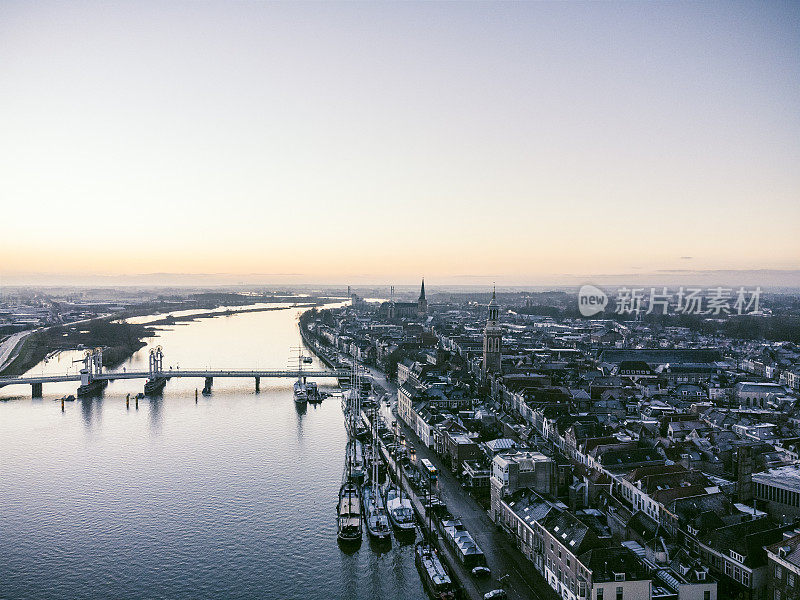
[787, 477]
[787, 550]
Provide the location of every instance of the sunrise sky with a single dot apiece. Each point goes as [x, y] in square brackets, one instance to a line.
[377, 142]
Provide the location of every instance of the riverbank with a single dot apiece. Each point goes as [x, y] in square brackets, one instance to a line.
[171, 319]
[119, 341]
[118, 337]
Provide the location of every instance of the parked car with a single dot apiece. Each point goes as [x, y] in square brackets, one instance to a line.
[495, 595]
[480, 571]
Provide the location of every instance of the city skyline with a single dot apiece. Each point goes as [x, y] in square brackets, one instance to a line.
[528, 144]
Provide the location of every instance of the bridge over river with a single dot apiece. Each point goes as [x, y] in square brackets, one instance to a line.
[92, 377]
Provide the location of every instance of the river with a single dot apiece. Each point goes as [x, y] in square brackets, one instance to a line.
[230, 497]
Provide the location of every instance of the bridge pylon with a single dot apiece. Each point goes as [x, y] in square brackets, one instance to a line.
[92, 369]
[155, 380]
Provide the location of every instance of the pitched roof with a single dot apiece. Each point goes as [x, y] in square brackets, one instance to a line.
[607, 562]
[747, 538]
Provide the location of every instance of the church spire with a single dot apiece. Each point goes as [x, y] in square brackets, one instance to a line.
[422, 303]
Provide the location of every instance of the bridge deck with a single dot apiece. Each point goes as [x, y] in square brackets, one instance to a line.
[175, 373]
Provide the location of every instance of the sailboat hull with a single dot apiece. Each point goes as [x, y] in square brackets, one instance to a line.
[349, 514]
[375, 517]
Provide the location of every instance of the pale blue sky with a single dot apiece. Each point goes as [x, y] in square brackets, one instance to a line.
[517, 141]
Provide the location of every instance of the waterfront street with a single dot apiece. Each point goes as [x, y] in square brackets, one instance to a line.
[520, 580]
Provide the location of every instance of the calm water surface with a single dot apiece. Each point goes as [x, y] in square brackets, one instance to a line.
[232, 497]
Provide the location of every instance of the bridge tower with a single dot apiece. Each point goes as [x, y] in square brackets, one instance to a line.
[92, 369]
[97, 361]
[92, 365]
[86, 371]
[156, 364]
[156, 380]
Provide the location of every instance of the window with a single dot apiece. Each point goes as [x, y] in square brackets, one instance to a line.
[619, 593]
[707, 595]
[790, 579]
[599, 593]
[777, 571]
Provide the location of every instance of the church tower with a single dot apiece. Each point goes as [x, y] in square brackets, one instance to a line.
[422, 303]
[492, 339]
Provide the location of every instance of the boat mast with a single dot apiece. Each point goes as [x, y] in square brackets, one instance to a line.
[397, 459]
[375, 452]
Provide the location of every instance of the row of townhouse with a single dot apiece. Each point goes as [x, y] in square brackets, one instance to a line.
[428, 409]
[785, 375]
[574, 552]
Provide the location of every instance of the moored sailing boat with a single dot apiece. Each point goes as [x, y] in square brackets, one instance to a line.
[349, 513]
[400, 510]
[348, 510]
[375, 513]
[374, 508]
[300, 388]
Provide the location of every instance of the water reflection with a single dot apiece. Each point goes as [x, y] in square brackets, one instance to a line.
[156, 401]
[92, 410]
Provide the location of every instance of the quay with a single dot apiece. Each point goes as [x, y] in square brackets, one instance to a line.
[503, 567]
[506, 561]
[459, 574]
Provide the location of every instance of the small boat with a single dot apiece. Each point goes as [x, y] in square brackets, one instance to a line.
[434, 577]
[400, 510]
[308, 360]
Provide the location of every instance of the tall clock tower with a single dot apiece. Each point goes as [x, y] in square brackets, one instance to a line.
[493, 339]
